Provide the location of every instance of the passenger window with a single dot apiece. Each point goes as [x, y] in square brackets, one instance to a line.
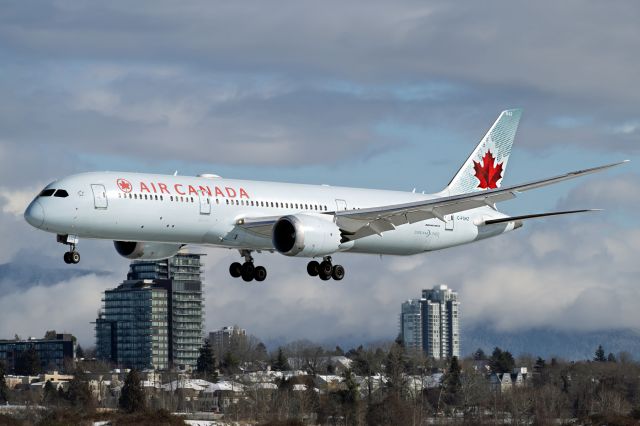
[171, 197]
[47, 192]
[227, 201]
[217, 201]
[272, 204]
[261, 203]
[61, 193]
[135, 196]
[130, 196]
[161, 199]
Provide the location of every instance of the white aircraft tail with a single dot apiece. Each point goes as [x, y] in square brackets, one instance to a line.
[485, 167]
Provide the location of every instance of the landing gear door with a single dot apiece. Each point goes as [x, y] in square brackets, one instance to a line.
[99, 196]
[205, 203]
[448, 225]
[341, 205]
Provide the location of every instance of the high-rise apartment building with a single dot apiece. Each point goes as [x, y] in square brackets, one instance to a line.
[432, 323]
[132, 327]
[186, 302]
[227, 339]
[161, 301]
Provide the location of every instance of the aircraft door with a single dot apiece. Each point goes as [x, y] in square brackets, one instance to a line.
[341, 205]
[448, 225]
[205, 203]
[99, 196]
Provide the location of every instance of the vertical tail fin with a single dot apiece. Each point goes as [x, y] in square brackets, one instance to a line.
[485, 167]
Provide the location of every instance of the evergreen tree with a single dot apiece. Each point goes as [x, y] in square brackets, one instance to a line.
[79, 352]
[79, 394]
[479, 355]
[49, 393]
[599, 357]
[540, 372]
[611, 358]
[206, 364]
[4, 390]
[28, 362]
[230, 363]
[501, 361]
[280, 363]
[452, 383]
[132, 398]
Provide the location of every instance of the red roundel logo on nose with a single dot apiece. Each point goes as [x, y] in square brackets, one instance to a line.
[124, 185]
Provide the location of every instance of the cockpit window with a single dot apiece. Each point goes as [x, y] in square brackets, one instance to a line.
[61, 193]
[47, 192]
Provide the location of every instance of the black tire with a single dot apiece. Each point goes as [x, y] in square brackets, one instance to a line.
[67, 258]
[74, 257]
[260, 273]
[338, 272]
[235, 269]
[247, 271]
[326, 268]
[324, 277]
[313, 268]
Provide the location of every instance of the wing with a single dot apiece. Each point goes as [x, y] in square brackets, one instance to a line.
[361, 223]
[262, 226]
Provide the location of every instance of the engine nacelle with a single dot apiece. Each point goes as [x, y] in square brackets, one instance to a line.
[146, 251]
[306, 235]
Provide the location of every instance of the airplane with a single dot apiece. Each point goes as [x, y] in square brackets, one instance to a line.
[152, 216]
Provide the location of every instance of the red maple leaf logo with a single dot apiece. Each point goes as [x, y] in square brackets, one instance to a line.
[488, 174]
[124, 185]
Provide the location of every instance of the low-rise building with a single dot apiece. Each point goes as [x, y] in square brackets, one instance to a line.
[52, 352]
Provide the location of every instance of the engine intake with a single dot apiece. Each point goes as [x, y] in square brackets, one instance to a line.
[306, 235]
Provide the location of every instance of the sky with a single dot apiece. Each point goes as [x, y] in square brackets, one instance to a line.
[376, 94]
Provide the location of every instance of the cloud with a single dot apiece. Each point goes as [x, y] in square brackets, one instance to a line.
[66, 306]
[310, 90]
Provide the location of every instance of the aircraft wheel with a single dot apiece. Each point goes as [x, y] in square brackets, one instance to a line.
[313, 268]
[235, 269]
[247, 271]
[338, 272]
[325, 268]
[74, 256]
[260, 273]
[67, 257]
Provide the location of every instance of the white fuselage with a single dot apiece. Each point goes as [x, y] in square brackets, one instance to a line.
[207, 210]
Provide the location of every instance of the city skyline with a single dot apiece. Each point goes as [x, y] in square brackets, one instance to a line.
[390, 96]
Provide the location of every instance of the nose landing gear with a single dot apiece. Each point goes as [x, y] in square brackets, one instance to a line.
[72, 256]
[325, 270]
[247, 270]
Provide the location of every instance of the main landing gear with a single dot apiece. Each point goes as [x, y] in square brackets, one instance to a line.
[325, 269]
[72, 256]
[247, 270]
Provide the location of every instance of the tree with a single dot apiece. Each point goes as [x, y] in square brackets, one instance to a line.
[230, 363]
[28, 362]
[79, 352]
[206, 364]
[132, 399]
[79, 394]
[599, 356]
[50, 335]
[280, 363]
[479, 355]
[611, 358]
[4, 390]
[501, 361]
[452, 381]
[49, 393]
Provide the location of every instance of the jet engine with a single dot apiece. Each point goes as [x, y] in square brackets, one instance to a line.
[306, 235]
[146, 251]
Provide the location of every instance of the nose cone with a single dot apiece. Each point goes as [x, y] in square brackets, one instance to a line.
[34, 214]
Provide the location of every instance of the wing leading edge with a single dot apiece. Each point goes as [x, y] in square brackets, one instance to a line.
[361, 223]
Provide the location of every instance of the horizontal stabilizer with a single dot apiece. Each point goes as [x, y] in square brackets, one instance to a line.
[535, 216]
